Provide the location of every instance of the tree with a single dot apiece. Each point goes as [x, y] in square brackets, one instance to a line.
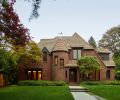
[111, 39]
[35, 5]
[88, 65]
[8, 65]
[92, 42]
[11, 30]
[30, 54]
[116, 58]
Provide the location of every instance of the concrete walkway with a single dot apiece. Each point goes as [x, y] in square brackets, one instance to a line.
[81, 93]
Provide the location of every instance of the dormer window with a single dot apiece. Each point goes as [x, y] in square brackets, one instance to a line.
[44, 56]
[104, 56]
[76, 54]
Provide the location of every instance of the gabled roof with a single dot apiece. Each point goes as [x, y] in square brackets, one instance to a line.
[64, 43]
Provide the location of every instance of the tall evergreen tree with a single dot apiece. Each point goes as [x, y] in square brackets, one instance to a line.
[92, 42]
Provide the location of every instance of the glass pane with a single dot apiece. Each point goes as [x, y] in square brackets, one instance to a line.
[34, 75]
[74, 54]
[61, 62]
[79, 54]
[56, 60]
[39, 75]
[29, 75]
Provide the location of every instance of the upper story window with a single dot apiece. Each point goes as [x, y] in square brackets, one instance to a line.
[56, 60]
[61, 62]
[104, 56]
[44, 56]
[76, 54]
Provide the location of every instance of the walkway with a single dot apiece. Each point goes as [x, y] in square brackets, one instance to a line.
[81, 93]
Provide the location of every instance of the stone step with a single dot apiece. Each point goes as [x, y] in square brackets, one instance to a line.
[78, 89]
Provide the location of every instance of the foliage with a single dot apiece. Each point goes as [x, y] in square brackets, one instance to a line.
[118, 75]
[109, 92]
[116, 58]
[35, 6]
[35, 51]
[92, 42]
[8, 64]
[111, 39]
[11, 30]
[31, 53]
[41, 83]
[36, 93]
[115, 82]
[88, 65]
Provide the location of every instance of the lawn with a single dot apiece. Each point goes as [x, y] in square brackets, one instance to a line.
[109, 92]
[35, 93]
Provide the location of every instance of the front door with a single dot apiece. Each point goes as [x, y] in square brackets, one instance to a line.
[72, 75]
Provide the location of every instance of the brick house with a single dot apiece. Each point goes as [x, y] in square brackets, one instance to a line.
[60, 56]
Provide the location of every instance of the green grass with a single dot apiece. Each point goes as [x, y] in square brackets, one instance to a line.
[35, 93]
[109, 92]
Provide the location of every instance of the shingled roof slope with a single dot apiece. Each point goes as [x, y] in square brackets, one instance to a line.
[103, 50]
[67, 42]
[60, 46]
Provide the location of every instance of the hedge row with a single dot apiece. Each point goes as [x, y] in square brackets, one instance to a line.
[41, 83]
[100, 82]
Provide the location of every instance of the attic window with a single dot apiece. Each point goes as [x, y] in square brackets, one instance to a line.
[44, 56]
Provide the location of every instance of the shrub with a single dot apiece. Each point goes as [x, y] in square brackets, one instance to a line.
[41, 83]
[118, 75]
[115, 82]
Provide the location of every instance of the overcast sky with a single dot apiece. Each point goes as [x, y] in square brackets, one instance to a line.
[86, 17]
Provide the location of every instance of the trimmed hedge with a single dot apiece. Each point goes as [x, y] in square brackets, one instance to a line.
[41, 83]
[100, 82]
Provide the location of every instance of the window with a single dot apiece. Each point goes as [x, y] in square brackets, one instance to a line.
[56, 60]
[34, 74]
[76, 54]
[61, 62]
[44, 56]
[104, 56]
[108, 74]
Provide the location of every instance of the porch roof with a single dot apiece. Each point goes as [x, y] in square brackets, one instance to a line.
[72, 63]
[109, 63]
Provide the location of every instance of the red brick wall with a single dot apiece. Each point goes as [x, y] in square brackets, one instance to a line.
[112, 73]
[103, 67]
[59, 73]
[47, 68]
[1, 80]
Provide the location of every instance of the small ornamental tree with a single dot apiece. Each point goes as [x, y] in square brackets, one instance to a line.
[88, 65]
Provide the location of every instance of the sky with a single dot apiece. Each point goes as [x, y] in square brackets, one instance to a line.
[86, 17]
